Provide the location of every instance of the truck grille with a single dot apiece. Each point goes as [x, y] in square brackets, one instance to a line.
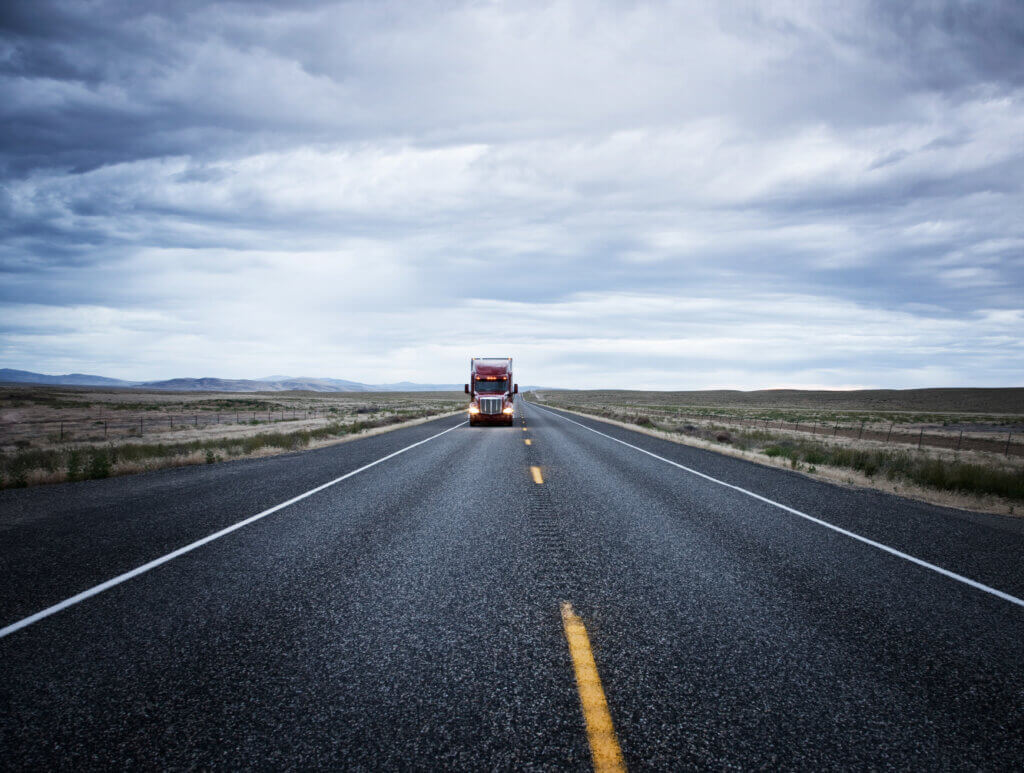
[490, 405]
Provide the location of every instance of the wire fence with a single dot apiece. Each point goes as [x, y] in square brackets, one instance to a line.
[96, 428]
[1005, 443]
[957, 440]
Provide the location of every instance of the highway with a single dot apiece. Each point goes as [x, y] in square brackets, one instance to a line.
[551, 595]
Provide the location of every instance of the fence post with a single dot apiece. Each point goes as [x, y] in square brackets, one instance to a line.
[142, 428]
[861, 433]
[104, 429]
[960, 440]
[835, 429]
[1009, 437]
[62, 430]
[890, 432]
[920, 437]
[195, 419]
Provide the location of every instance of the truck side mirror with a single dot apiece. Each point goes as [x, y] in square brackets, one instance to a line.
[466, 387]
[515, 388]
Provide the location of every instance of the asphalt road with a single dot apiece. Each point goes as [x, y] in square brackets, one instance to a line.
[409, 617]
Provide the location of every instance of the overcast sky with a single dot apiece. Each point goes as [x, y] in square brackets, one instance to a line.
[618, 194]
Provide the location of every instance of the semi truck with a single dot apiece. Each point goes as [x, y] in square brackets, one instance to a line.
[491, 391]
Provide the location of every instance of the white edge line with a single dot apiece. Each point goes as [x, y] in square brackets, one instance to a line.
[892, 551]
[79, 597]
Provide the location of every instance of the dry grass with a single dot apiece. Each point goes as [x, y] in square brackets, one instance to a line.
[35, 414]
[911, 417]
[184, 428]
[975, 480]
[1008, 402]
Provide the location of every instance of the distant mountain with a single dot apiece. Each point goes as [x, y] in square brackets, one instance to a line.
[327, 384]
[409, 386]
[209, 384]
[256, 385]
[70, 379]
[341, 385]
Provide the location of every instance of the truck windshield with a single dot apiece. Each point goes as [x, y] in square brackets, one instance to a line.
[492, 387]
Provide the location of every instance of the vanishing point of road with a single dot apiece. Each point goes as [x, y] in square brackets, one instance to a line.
[561, 594]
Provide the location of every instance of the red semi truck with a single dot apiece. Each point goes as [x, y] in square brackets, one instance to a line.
[491, 390]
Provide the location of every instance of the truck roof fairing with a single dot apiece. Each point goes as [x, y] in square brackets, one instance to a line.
[492, 366]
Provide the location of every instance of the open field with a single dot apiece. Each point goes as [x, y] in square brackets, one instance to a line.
[957, 419]
[920, 443]
[996, 403]
[49, 434]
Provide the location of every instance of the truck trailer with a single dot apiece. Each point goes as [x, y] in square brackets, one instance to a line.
[491, 391]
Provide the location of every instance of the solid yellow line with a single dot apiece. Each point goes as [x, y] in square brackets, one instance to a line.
[537, 477]
[528, 441]
[604, 746]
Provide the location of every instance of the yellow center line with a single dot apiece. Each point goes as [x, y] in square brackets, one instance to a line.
[535, 472]
[604, 746]
[528, 441]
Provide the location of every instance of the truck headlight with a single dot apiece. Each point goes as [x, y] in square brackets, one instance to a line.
[508, 410]
[474, 409]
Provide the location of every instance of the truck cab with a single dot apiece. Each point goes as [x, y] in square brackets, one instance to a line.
[491, 391]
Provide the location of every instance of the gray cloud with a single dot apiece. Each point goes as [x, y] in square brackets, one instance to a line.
[406, 176]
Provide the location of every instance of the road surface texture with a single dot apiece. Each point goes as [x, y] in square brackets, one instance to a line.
[419, 613]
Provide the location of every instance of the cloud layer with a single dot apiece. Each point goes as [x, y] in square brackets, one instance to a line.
[619, 194]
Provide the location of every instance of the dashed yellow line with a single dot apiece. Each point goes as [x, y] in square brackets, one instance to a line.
[528, 441]
[535, 472]
[604, 745]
